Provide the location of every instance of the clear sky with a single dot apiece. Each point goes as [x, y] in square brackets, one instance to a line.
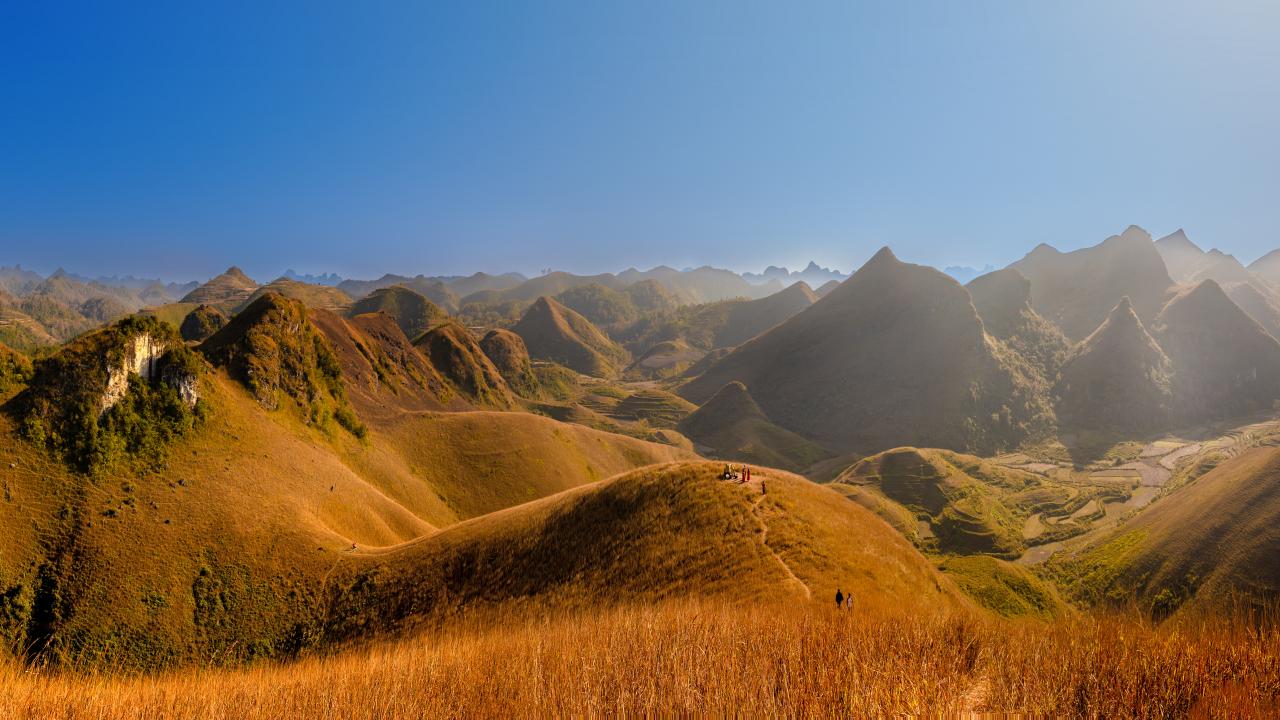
[362, 137]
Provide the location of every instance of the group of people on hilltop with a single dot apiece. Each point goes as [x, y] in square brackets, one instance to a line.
[843, 602]
[742, 474]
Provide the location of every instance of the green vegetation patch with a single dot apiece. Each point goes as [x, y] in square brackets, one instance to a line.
[272, 348]
[1101, 574]
[15, 369]
[1002, 587]
[63, 407]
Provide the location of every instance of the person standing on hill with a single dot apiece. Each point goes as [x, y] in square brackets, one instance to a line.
[848, 602]
[839, 599]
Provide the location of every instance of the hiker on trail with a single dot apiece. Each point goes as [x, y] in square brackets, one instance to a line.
[839, 599]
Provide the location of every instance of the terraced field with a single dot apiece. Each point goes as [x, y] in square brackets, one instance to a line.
[1112, 493]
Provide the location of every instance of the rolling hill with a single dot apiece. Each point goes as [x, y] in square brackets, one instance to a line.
[459, 359]
[383, 373]
[201, 323]
[657, 533]
[895, 355]
[226, 292]
[222, 551]
[731, 426]
[508, 354]
[324, 297]
[433, 289]
[667, 358]
[553, 332]
[1077, 290]
[413, 312]
[15, 368]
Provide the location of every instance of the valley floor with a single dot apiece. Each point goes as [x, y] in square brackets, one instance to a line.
[682, 658]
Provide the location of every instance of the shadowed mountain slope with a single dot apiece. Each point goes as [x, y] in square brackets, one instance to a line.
[895, 355]
[1224, 363]
[1077, 290]
[1190, 265]
[1003, 301]
[734, 427]
[749, 319]
[1118, 379]
[1257, 304]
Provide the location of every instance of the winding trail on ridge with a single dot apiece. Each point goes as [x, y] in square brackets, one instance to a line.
[764, 539]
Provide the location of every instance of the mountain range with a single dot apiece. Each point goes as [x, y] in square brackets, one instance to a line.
[252, 470]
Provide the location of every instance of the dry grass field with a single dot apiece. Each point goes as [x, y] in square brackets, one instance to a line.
[682, 658]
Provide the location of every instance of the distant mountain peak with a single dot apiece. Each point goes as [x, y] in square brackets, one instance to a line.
[882, 256]
[1178, 239]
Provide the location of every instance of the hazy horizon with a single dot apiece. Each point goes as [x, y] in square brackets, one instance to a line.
[263, 274]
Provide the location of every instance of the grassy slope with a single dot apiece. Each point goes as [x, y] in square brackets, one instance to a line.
[553, 332]
[1213, 539]
[221, 553]
[172, 313]
[655, 533]
[722, 659]
[485, 461]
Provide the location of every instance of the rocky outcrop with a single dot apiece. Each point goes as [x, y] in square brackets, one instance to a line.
[141, 356]
[126, 388]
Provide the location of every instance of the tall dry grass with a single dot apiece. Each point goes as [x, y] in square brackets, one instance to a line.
[682, 658]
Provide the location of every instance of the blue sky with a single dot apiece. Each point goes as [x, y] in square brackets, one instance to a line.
[445, 138]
